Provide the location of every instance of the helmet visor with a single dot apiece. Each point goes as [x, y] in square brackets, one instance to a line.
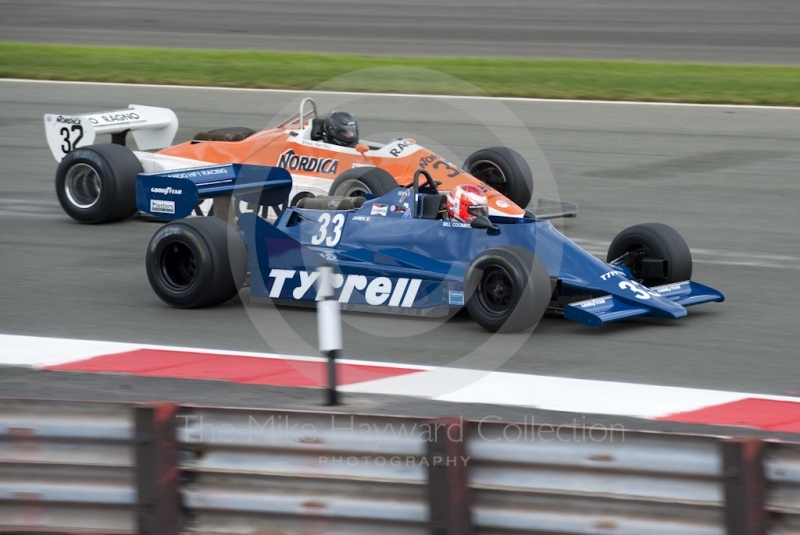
[347, 131]
[478, 209]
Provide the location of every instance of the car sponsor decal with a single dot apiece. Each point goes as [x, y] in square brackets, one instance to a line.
[295, 162]
[436, 162]
[166, 191]
[162, 207]
[425, 161]
[668, 288]
[66, 120]
[217, 172]
[362, 218]
[456, 298]
[379, 209]
[592, 302]
[376, 290]
[609, 274]
[502, 204]
[117, 118]
[400, 147]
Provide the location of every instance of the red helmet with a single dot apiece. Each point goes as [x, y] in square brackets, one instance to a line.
[466, 202]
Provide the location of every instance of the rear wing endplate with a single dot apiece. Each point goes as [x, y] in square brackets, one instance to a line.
[152, 128]
[174, 194]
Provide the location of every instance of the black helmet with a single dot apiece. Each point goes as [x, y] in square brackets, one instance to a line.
[341, 128]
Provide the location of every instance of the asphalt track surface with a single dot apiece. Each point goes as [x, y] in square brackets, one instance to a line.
[725, 177]
[729, 31]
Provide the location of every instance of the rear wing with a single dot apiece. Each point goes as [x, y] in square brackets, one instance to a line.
[174, 194]
[152, 128]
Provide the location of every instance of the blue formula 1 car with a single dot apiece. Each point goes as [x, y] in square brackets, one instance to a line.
[396, 254]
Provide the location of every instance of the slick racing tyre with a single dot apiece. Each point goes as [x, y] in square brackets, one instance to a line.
[507, 289]
[655, 253]
[356, 182]
[196, 262]
[505, 170]
[97, 184]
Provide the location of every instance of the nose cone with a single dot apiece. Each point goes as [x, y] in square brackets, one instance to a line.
[637, 295]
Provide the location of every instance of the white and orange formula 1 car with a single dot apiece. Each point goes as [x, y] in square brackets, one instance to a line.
[95, 183]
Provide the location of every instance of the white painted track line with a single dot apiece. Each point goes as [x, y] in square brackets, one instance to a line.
[435, 383]
[412, 95]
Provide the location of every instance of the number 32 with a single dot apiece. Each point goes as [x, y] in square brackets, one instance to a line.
[68, 146]
[325, 220]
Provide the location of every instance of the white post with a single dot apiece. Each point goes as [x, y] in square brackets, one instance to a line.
[329, 327]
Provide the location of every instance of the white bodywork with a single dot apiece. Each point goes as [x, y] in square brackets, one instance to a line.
[155, 128]
[151, 127]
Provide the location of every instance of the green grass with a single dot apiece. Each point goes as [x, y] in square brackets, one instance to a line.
[574, 79]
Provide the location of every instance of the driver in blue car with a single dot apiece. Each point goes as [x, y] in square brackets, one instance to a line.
[466, 202]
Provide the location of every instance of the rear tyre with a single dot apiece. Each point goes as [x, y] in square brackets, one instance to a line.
[97, 184]
[635, 246]
[362, 180]
[505, 170]
[196, 262]
[507, 289]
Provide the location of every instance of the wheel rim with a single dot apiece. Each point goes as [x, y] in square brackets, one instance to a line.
[178, 265]
[490, 173]
[497, 292]
[82, 186]
[352, 188]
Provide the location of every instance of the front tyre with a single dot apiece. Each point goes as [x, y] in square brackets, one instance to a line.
[97, 184]
[654, 253]
[505, 170]
[360, 180]
[507, 289]
[197, 262]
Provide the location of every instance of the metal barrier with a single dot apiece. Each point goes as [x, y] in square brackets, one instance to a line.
[67, 467]
[782, 473]
[73, 467]
[247, 471]
[565, 480]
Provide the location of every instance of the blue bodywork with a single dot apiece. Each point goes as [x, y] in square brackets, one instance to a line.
[174, 194]
[388, 259]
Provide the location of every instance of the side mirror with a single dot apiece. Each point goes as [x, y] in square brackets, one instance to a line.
[360, 147]
[483, 222]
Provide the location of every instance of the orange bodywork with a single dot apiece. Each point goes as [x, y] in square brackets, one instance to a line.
[312, 161]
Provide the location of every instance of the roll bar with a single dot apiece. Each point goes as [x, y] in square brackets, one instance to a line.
[431, 184]
[300, 116]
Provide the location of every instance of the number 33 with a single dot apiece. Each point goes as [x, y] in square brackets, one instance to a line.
[640, 292]
[325, 220]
